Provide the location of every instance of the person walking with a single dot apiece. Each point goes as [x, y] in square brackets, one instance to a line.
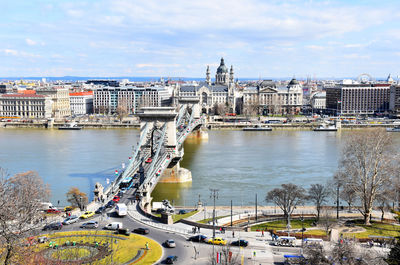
[147, 245]
[262, 233]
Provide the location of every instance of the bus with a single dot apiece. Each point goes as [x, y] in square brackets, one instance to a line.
[125, 183]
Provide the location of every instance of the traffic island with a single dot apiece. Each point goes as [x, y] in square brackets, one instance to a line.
[95, 247]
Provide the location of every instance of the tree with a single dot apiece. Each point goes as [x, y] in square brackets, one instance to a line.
[226, 256]
[383, 202]
[287, 198]
[20, 203]
[318, 194]
[77, 198]
[394, 254]
[348, 195]
[367, 163]
[122, 109]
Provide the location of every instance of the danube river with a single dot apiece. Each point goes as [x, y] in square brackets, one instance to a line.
[239, 164]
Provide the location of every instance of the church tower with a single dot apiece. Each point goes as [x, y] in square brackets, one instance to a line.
[221, 78]
[231, 78]
[208, 79]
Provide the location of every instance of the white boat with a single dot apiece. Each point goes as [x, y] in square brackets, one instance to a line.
[326, 128]
[394, 129]
[70, 126]
[258, 128]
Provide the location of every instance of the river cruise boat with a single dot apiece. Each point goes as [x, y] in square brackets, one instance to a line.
[326, 128]
[257, 128]
[394, 129]
[70, 126]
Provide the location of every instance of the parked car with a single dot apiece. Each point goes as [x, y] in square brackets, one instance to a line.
[100, 210]
[53, 226]
[198, 238]
[90, 224]
[110, 204]
[149, 160]
[68, 208]
[141, 230]
[87, 215]
[170, 243]
[240, 243]
[217, 241]
[171, 259]
[70, 220]
[116, 198]
[53, 210]
[183, 211]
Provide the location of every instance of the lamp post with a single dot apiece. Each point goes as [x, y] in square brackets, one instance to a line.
[302, 232]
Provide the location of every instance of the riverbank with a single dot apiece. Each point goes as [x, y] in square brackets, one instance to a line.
[209, 125]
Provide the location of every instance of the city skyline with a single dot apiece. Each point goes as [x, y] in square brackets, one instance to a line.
[128, 38]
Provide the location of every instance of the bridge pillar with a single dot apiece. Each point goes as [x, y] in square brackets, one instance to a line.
[155, 117]
[193, 103]
[176, 174]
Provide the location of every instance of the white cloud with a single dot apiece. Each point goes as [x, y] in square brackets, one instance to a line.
[10, 52]
[30, 42]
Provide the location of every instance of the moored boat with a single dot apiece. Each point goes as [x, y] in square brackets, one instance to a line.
[326, 128]
[394, 129]
[70, 126]
[257, 128]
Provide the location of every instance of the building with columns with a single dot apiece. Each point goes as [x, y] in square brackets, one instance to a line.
[220, 94]
[61, 102]
[28, 106]
[270, 99]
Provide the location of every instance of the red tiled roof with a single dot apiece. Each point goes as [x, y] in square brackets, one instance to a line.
[86, 93]
[22, 96]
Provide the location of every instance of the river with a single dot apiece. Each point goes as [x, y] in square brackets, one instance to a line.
[239, 164]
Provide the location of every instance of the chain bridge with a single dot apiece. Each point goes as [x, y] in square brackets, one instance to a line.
[163, 131]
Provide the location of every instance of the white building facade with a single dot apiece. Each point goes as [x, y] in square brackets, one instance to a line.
[81, 103]
[25, 106]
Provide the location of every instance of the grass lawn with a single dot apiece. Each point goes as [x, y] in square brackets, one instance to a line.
[281, 225]
[316, 232]
[205, 221]
[123, 250]
[177, 217]
[376, 229]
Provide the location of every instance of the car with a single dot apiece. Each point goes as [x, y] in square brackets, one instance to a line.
[171, 259]
[116, 198]
[123, 231]
[87, 214]
[183, 211]
[217, 241]
[70, 220]
[53, 210]
[90, 224]
[240, 243]
[198, 238]
[68, 208]
[170, 243]
[110, 204]
[141, 230]
[53, 226]
[100, 210]
[149, 160]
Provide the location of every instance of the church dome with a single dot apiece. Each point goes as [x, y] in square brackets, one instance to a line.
[222, 68]
[293, 82]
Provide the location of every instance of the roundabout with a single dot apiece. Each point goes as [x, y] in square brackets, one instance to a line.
[96, 247]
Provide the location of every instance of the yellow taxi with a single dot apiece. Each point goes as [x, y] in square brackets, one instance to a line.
[217, 241]
[87, 215]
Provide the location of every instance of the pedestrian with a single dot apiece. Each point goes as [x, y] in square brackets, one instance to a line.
[262, 233]
[198, 229]
[233, 234]
[147, 245]
[220, 230]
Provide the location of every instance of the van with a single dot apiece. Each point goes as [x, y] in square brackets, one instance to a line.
[288, 241]
[113, 226]
[121, 209]
[46, 206]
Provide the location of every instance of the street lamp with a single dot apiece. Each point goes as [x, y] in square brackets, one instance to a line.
[302, 232]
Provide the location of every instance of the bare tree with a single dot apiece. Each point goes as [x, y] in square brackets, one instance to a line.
[225, 256]
[77, 198]
[251, 108]
[318, 194]
[122, 109]
[383, 202]
[287, 198]
[20, 203]
[367, 163]
[326, 221]
[348, 195]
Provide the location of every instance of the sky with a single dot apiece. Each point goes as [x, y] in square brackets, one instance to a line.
[180, 38]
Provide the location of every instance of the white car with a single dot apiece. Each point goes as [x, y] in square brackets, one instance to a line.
[90, 224]
[70, 220]
[170, 243]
